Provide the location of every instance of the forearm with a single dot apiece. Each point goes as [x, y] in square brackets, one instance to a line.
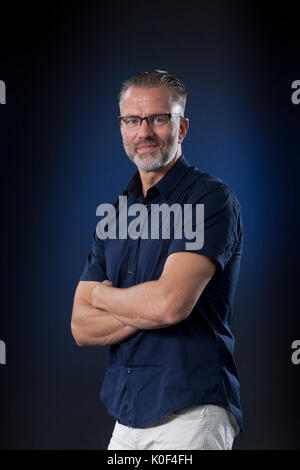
[141, 306]
[94, 327]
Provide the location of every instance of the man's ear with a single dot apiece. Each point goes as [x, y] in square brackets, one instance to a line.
[184, 125]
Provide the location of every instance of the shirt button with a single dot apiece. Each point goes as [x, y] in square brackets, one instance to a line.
[129, 370]
[129, 272]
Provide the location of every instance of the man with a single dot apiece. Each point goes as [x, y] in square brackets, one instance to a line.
[165, 310]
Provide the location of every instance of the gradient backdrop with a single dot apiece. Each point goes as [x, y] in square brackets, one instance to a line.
[62, 155]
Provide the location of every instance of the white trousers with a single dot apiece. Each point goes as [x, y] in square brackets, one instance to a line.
[199, 427]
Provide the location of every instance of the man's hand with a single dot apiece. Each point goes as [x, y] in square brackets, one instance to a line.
[107, 282]
[92, 326]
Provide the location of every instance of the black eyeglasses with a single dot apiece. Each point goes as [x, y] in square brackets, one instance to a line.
[155, 120]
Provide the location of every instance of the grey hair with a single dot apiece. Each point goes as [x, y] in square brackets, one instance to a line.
[154, 79]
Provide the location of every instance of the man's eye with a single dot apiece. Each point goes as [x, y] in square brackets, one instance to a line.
[132, 121]
[160, 119]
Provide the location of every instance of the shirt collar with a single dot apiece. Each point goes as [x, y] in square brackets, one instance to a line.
[165, 185]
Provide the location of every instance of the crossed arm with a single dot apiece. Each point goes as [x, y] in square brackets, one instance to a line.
[103, 314]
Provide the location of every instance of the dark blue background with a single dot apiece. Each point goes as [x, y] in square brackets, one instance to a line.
[62, 155]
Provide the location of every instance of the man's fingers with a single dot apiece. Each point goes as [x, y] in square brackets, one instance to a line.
[107, 282]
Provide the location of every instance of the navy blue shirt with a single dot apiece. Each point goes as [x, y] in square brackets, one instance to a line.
[157, 371]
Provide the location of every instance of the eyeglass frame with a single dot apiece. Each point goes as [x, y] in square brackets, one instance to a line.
[147, 117]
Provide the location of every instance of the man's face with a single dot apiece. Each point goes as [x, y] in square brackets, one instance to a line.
[149, 147]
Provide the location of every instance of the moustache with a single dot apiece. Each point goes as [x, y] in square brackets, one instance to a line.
[142, 144]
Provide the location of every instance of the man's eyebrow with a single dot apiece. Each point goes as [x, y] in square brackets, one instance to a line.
[137, 115]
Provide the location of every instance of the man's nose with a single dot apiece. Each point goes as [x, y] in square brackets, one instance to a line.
[144, 129]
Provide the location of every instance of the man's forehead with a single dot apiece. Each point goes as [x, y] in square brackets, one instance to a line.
[140, 97]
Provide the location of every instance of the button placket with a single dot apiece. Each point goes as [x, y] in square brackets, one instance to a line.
[135, 246]
[129, 371]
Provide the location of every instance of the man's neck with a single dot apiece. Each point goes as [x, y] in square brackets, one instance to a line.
[150, 178]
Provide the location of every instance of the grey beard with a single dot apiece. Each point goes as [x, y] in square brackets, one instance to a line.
[154, 165]
[160, 162]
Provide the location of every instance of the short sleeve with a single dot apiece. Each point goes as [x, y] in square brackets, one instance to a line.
[222, 225]
[95, 267]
